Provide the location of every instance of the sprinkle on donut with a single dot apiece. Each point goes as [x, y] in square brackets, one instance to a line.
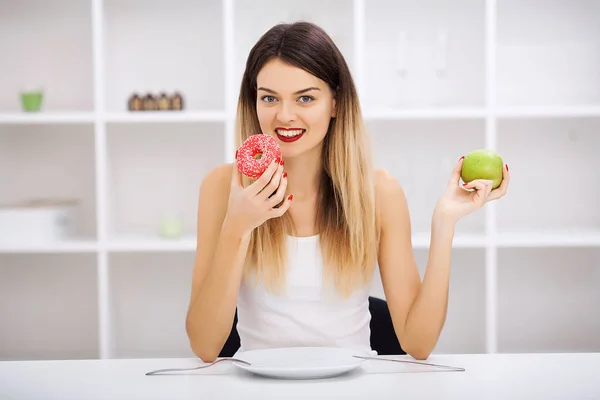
[256, 154]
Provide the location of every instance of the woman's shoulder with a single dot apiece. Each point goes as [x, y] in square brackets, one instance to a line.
[386, 184]
[389, 194]
[217, 182]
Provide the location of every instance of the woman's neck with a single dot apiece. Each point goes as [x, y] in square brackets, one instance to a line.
[304, 175]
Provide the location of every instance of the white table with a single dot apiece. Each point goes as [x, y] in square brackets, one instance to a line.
[515, 376]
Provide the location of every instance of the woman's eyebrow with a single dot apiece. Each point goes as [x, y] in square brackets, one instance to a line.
[298, 92]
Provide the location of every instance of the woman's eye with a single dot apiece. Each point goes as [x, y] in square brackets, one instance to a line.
[307, 99]
[268, 99]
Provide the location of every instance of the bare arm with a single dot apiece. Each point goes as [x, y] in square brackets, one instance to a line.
[419, 309]
[217, 269]
[212, 307]
[227, 214]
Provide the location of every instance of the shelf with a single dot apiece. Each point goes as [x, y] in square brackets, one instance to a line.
[141, 243]
[166, 116]
[45, 118]
[548, 58]
[48, 247]
[374, 114]
[528, 238]
[32, 34]
[158, 45]
[421, 156]
[48, 305]
[421, 240]
[150, 295]
[554, 163]
[425, 113]
[406, 62]
[156, 171]
[549, 112]
[547, 299]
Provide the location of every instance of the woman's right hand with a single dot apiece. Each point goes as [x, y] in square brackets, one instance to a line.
[251, 206]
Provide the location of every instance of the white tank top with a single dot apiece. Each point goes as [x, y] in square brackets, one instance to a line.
[305, 313]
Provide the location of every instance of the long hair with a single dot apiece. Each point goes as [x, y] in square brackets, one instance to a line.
[346, 213]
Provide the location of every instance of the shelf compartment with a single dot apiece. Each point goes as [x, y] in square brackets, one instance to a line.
[547, 53]
[54, 294]
[160, 116]
[253, 19]
[547, 299]
[155, 171]
[466, 302]
[151, 294]
[32, 33]
[421, 156]
[50, 162]
[416, 58]
[147, 47]
[553, 164]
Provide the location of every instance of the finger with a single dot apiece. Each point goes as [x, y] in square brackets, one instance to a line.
[482, 188]
[278, 212]
[455, 176]
[271, 188]
[501, 190]
[236, 175]
[479, 184]
[280, 193]
[264, 179]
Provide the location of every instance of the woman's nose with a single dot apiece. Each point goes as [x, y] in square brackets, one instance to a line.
[286, 113]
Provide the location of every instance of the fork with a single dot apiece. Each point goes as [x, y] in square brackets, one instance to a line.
[460, 369]
[158, 371]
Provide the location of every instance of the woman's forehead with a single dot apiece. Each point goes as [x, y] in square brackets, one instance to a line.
[281, 77]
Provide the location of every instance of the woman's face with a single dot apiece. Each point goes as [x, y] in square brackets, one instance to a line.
[294, 107]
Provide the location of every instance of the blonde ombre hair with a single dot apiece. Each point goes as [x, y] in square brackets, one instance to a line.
[346, 213]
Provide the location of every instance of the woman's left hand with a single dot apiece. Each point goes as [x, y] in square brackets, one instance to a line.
[459, 200]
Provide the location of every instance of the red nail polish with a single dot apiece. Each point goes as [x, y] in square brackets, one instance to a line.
[461, 158]
[507, 167]
[277, 160]
[290, 197]
[282, 162]
[285, 174]
[465, 184]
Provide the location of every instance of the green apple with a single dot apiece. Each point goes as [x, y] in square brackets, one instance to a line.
[482, 164]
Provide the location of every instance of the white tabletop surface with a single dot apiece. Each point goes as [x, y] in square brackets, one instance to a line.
[498, 376]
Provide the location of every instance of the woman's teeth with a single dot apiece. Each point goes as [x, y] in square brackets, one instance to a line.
[290, 133]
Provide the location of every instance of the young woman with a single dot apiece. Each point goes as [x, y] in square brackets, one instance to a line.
[295, 250]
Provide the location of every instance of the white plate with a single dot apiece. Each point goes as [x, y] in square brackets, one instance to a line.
[300, 362]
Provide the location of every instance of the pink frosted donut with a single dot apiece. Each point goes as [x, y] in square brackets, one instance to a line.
[256, 154]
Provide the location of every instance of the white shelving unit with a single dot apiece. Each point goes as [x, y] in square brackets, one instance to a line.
[518, 76]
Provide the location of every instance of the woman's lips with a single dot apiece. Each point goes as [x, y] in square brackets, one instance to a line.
[289, 139]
